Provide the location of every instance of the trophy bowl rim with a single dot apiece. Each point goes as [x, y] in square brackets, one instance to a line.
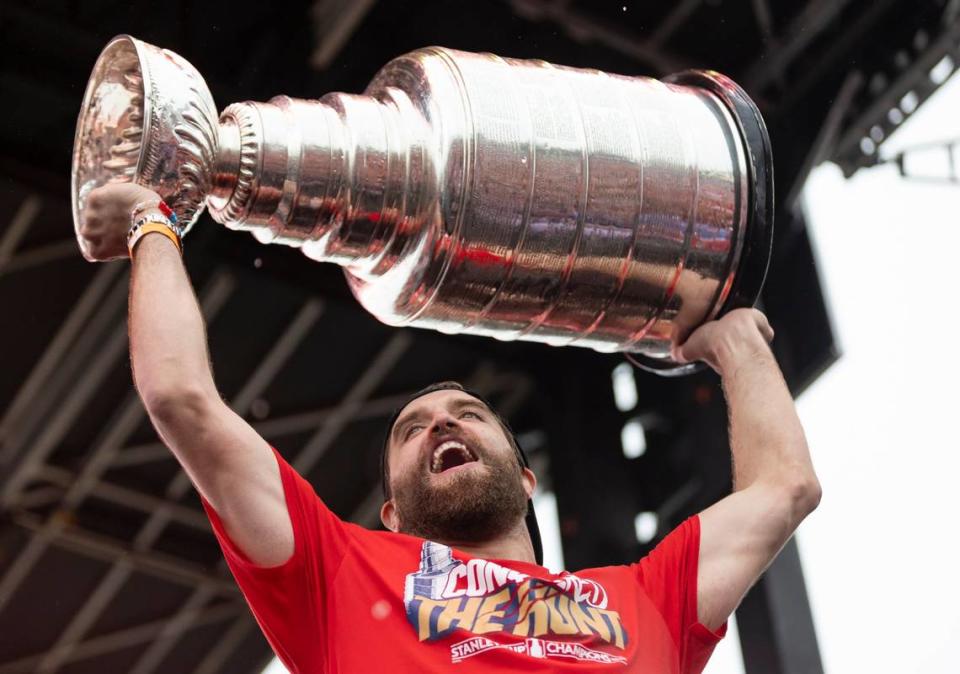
[93, 83]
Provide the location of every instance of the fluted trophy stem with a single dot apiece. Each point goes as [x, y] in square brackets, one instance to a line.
[468, 193]
[330, 176]
[226, 169]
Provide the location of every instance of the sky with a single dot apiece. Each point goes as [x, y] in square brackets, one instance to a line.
[880, 554]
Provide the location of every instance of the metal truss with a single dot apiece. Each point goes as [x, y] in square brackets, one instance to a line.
[73, 345]
[946, 149]
[106, 549]
[827, 137]
[40, 255]
[584, 28]
[151, 531]
[334, 21]
[280, 426]
[781, 50]
[18, 227]
[110, 441]
[12, 261]
[60, 478]
[909, 80]
[129, 636]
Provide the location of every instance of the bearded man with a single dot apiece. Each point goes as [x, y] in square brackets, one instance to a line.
[455, 582]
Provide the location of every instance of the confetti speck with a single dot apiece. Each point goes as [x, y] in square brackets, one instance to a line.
[380, 610]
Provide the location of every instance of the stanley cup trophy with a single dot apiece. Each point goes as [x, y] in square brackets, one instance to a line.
[468, 193]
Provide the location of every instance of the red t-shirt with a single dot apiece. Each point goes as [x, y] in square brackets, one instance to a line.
[354, 600]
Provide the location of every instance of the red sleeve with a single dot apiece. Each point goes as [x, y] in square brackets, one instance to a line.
[668, 576]
[288, 601]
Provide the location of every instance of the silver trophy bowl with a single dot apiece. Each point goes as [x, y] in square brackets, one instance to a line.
[147, 117]
[469, 193]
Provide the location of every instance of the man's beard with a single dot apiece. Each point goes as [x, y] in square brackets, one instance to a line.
[475, 507]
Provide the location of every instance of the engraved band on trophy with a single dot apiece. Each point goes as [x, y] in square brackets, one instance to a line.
[468, 193]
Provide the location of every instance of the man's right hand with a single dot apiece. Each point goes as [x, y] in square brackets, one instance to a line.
[105, 220]
[742, 333]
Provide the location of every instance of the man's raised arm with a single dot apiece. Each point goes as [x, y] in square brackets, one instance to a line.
[228, 462]
[775, 486]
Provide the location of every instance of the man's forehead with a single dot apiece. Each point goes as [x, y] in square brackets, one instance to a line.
[444, 397]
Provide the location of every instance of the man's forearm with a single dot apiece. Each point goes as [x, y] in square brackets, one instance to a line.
[766, 437]
[775, 486]
[168, 344]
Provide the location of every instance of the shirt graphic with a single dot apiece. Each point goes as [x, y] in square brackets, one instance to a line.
[557, 618]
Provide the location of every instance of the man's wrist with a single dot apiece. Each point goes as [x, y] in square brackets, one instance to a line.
[152, 243]
[153, 223]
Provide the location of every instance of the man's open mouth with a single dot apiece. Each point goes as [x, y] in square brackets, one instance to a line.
[450, 454]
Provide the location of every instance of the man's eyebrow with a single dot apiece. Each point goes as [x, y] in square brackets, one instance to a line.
[460, 403]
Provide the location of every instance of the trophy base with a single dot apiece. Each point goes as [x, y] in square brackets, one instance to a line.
[663, 368]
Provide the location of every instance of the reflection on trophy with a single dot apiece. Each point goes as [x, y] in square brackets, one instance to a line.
[468, 193]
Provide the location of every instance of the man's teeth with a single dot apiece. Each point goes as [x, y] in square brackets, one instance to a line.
[437, 463]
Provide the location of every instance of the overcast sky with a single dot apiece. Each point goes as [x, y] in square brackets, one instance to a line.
[880, 555]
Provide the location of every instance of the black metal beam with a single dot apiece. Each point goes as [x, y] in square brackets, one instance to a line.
[590, 477]
[913, 78]
[583, 27]
[813, 19]
[794, 302]
[776, 629]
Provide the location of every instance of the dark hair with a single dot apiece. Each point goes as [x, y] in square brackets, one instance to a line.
[432, 388]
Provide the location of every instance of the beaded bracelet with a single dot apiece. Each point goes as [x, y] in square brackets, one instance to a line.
[154, 204]
[156, 217]
[165, 223]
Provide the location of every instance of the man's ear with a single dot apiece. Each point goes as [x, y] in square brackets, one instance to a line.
[388, 515]
[529, 481]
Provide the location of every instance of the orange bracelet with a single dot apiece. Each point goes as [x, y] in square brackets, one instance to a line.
[150, 227]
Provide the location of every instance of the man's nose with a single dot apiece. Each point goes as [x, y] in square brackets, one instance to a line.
[443, 422]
